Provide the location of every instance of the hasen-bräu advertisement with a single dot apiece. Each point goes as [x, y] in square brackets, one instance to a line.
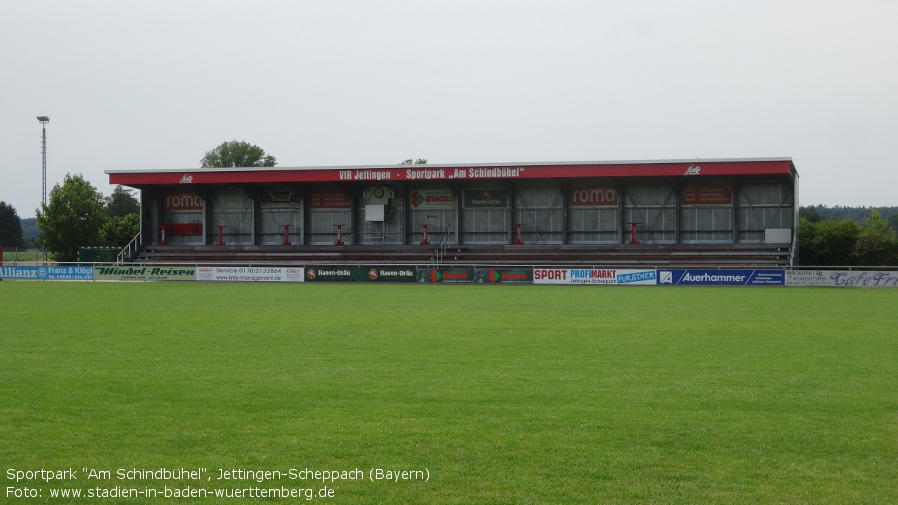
[594, 276]
[486, 198]
[250, 274]
[362, 274]
[711, 277]
[843, 278]
[388, 274]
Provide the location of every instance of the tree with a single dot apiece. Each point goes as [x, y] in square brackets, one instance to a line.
[73, 218]
[829, 242]
[877, 244]
[121, 203]
[119, 230]
[122, 218]
[10, 227]
[419, 161]
[810, 213]
[237, 154]
[893, 222]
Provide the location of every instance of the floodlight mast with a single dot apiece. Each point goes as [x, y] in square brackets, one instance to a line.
[44, 120]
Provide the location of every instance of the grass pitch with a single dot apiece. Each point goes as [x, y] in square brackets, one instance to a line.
[502, 394]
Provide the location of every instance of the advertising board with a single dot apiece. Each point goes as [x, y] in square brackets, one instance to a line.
[289, 200]
[842, 278]
[250, 274]
[330, 199]
[182, 200]
[361, 274]
[145, 273]
[711, 277]
[504, 275]
[486, 198]
[447, 275]
[707, 194]
[592, 196]
[48, 273]
[593, 276]
[432, 199]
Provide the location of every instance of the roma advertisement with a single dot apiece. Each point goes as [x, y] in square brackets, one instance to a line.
[182, 200]
[593, 276]
[592, 196]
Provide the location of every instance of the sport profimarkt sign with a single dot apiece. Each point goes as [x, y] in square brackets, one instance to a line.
[593, 276]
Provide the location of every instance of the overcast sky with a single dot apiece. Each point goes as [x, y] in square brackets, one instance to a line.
[154, 85]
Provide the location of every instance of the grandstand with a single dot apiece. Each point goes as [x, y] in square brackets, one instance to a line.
[675, 213]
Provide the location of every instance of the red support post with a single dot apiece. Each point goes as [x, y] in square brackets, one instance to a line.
[633, 239]
[517, 234]
[286, 240]
[339, 240]
[221, 228]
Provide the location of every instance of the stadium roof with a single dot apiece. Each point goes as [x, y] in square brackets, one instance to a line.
[456, 172]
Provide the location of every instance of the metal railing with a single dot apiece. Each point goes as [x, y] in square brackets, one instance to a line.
[440, 252]
[129, 249]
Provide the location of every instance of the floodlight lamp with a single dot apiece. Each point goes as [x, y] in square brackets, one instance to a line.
[43, 119]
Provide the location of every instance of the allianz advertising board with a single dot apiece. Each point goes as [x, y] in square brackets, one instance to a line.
[48, 273]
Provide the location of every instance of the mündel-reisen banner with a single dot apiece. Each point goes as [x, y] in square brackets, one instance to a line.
[145, 273]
